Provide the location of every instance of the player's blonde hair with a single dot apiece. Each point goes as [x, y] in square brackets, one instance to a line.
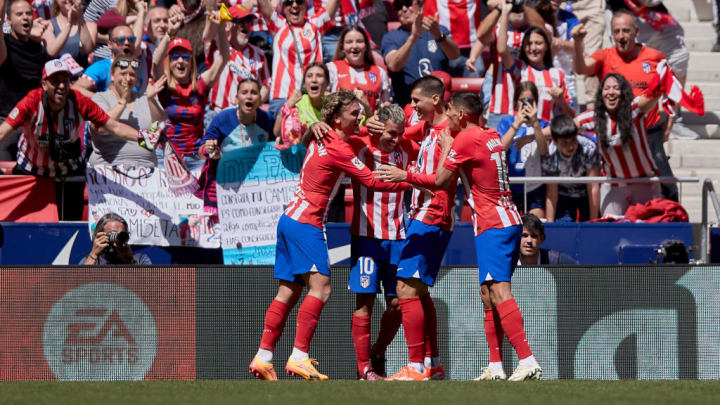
[335, 103]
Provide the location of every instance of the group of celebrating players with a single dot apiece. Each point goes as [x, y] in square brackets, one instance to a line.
[446, 144]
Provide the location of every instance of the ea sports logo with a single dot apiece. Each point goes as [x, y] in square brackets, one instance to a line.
[100, 331]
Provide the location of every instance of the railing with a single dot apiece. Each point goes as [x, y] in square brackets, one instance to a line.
[707, 190]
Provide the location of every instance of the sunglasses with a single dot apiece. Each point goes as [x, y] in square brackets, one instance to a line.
[176, 56]
[120, 40]
[399, 4]
[125, 63]
[287, 3]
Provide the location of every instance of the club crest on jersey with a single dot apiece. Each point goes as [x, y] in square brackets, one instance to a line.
[646, 67]
[452, 155]
[307, 34]
[360, 165]
[364, 281]
[373, 77]
[240, 70]
[432, 46]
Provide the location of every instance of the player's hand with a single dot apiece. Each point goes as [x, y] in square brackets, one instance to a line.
[374, 125]
[319, 130]
[99, 244]
[530, 111]
[295, 96]
[579, 32]
[390, 174]
[445, 140]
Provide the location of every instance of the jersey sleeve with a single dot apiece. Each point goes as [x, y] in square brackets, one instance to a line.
[23, 110]
[344, 159]
[214, 130]
[460, 152]
[421, 180]
[276, 22]
[321, 20]
[416, 132]
[599, 56]
[90, 111]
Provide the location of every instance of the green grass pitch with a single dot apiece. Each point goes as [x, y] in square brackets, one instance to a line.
[361, 392]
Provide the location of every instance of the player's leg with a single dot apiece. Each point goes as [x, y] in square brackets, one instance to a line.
[389, 325]
[361, 322]
[409, 291]
[494, 336]
[433, 367]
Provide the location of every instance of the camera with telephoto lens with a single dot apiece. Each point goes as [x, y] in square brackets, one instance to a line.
[517, 5]
[117, 240]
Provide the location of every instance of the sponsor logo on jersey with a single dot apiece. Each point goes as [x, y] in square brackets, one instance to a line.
[307, 34]
[360, 165]
[88, 336]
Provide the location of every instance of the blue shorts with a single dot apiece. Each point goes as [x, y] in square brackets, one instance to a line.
[422, 251]
[301, 248]
[498, 251]
[373, 261]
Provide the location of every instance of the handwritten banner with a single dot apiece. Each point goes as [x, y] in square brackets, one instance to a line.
[254, 185]
[155, 215]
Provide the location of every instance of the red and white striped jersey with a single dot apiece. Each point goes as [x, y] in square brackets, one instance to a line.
[294, 48]
[625, 161]
[478, 156]
[503, 80]
[326, 163]
[544, 80]
[379, 215]
[42, 9]
[69, 123]
[437, 209]
[245, 64]
[371, 79]
[461, 17]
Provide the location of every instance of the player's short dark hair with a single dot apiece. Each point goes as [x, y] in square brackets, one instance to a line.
[429, 86]
[470, 102]
[532, 223]
[563, 126]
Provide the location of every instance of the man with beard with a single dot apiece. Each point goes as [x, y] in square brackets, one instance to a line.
[53, 119]
[123, 41]
[21, 61]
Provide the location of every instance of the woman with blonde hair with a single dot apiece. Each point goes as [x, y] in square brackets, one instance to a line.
[186, 94]
[70, 33]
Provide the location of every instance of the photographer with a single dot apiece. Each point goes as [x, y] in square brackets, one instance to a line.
[110, 238]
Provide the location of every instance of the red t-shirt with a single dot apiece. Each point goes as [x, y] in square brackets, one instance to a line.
[639, 72]
[478, 156]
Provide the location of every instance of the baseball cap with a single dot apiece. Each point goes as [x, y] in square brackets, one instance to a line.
[181, 43]
[239, 12]
[54, 66]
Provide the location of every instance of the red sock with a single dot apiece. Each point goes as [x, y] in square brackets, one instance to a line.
[307, 320]
[512, 324]
[361, 339]
[493, 334]
[413, 320]
[389, 325]
[275, 317]
[431, 341]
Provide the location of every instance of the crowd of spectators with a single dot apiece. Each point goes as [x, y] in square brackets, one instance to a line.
[261, 72]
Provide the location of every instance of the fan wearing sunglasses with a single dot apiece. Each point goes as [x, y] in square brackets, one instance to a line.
[122, 103]
[186, 94]
[297, 42]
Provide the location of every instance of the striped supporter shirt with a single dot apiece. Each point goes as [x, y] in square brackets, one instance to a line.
[379, 215]
[326, 163]
[372, 80]
[462, 17]
[294, 48]
[503, 80]
[624, 161]
[69, 123]
[250, 63]
[478, 156]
